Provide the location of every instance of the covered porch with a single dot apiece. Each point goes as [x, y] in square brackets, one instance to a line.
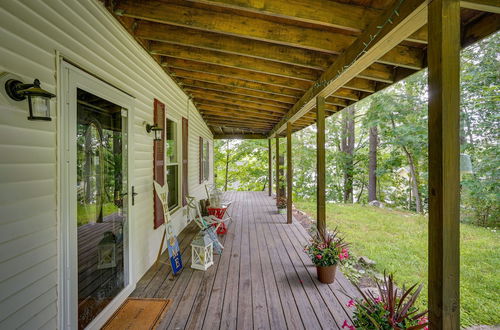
[262, 280]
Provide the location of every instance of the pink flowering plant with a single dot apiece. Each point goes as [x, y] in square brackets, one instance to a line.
[391, 309]
[281, 202]
[327, 249]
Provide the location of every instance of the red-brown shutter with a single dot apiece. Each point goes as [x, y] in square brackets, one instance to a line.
[185, 152]
[200, 160]
[159, 161]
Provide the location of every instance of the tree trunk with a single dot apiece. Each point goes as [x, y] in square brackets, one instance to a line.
[414, 181]
[227, 165]
[414, 176]
[348, 150]
[372, 170]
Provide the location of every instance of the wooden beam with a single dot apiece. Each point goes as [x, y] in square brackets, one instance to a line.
[240, 105]
[174, 63]
[211, 78]
[444, 167]
[218, 52]
[320, 166]
[331, 14]
[231, 117]
[318, 12]
[492, 6]
[289, 173]
[237, 90]
[244, 136]
[232, 45]
[235, 61]
[254, 28]
[480, 28]
[194, 91]
[358, 84]
[378, 39]
[241, 122]
[269, 167]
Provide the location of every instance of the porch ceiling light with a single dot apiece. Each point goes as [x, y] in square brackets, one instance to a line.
[38, 98]
[156, 129]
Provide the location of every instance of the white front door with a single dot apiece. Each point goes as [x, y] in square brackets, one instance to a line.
[95, 204]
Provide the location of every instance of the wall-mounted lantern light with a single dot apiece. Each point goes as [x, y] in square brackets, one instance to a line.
[38, 98]
[156, 129]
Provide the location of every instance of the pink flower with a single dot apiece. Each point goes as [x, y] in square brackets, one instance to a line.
[348, 326]
[319, 256]
[377, 300]
[344, 254]
[351, 303]
[424, 320]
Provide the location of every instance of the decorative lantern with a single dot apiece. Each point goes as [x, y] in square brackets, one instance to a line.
[465, 164]
[106, 251]
[156, 129]
[202, 253]
[38, 98]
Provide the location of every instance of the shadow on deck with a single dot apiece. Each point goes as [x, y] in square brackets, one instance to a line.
[262, 280]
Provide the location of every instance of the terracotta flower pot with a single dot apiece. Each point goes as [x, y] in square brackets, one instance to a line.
[326, 274]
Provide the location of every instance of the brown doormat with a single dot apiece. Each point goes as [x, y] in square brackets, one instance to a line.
[138, 314]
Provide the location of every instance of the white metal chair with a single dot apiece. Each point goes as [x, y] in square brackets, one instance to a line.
[206, 224]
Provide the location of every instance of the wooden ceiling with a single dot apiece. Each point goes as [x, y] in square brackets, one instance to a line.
[247, 63]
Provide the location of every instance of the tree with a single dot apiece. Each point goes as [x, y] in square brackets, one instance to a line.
[347, 148]
[372, 172]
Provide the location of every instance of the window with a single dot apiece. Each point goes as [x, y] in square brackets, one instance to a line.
[204, 149]
[172, 165]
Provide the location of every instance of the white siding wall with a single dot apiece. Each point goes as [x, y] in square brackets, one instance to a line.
[85, 33]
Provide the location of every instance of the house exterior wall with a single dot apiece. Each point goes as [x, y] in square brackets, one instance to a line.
[83, 32]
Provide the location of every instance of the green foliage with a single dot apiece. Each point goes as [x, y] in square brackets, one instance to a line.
[480, 122]
[397, 242]
[247, 164]
[328, 249]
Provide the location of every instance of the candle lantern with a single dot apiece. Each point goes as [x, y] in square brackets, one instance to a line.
[202, 252]
[106, 251]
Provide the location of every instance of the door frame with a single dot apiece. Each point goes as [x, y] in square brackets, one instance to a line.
[69, 79]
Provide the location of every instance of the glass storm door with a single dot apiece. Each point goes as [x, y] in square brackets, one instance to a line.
[101, 206]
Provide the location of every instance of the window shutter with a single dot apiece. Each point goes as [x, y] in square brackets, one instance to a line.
[185, 153]
[200, 151]
[159, 161]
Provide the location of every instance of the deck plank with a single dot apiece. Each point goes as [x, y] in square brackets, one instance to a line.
[245, 315]
[213, 316]
[262, 280]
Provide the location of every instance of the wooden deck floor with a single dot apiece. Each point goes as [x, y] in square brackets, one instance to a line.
[262, 280]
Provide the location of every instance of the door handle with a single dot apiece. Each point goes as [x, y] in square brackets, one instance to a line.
[133, 195]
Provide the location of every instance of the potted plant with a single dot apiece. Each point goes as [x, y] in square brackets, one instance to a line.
[390, 309]
[281, 204]
[326, 251]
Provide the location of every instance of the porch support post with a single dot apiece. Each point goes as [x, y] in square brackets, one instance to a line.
[277, 140]
[320, 165]
[289, 172]
[270, 167]
[444, 149]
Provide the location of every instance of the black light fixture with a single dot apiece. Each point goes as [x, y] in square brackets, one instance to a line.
[38, 98]
[156, 129]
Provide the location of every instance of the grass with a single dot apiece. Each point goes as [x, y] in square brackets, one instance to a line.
[397, 241]
[86, 214]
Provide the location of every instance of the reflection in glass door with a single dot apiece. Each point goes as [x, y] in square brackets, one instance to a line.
[101, 203]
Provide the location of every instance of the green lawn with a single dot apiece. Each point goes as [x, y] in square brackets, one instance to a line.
[397, 241]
